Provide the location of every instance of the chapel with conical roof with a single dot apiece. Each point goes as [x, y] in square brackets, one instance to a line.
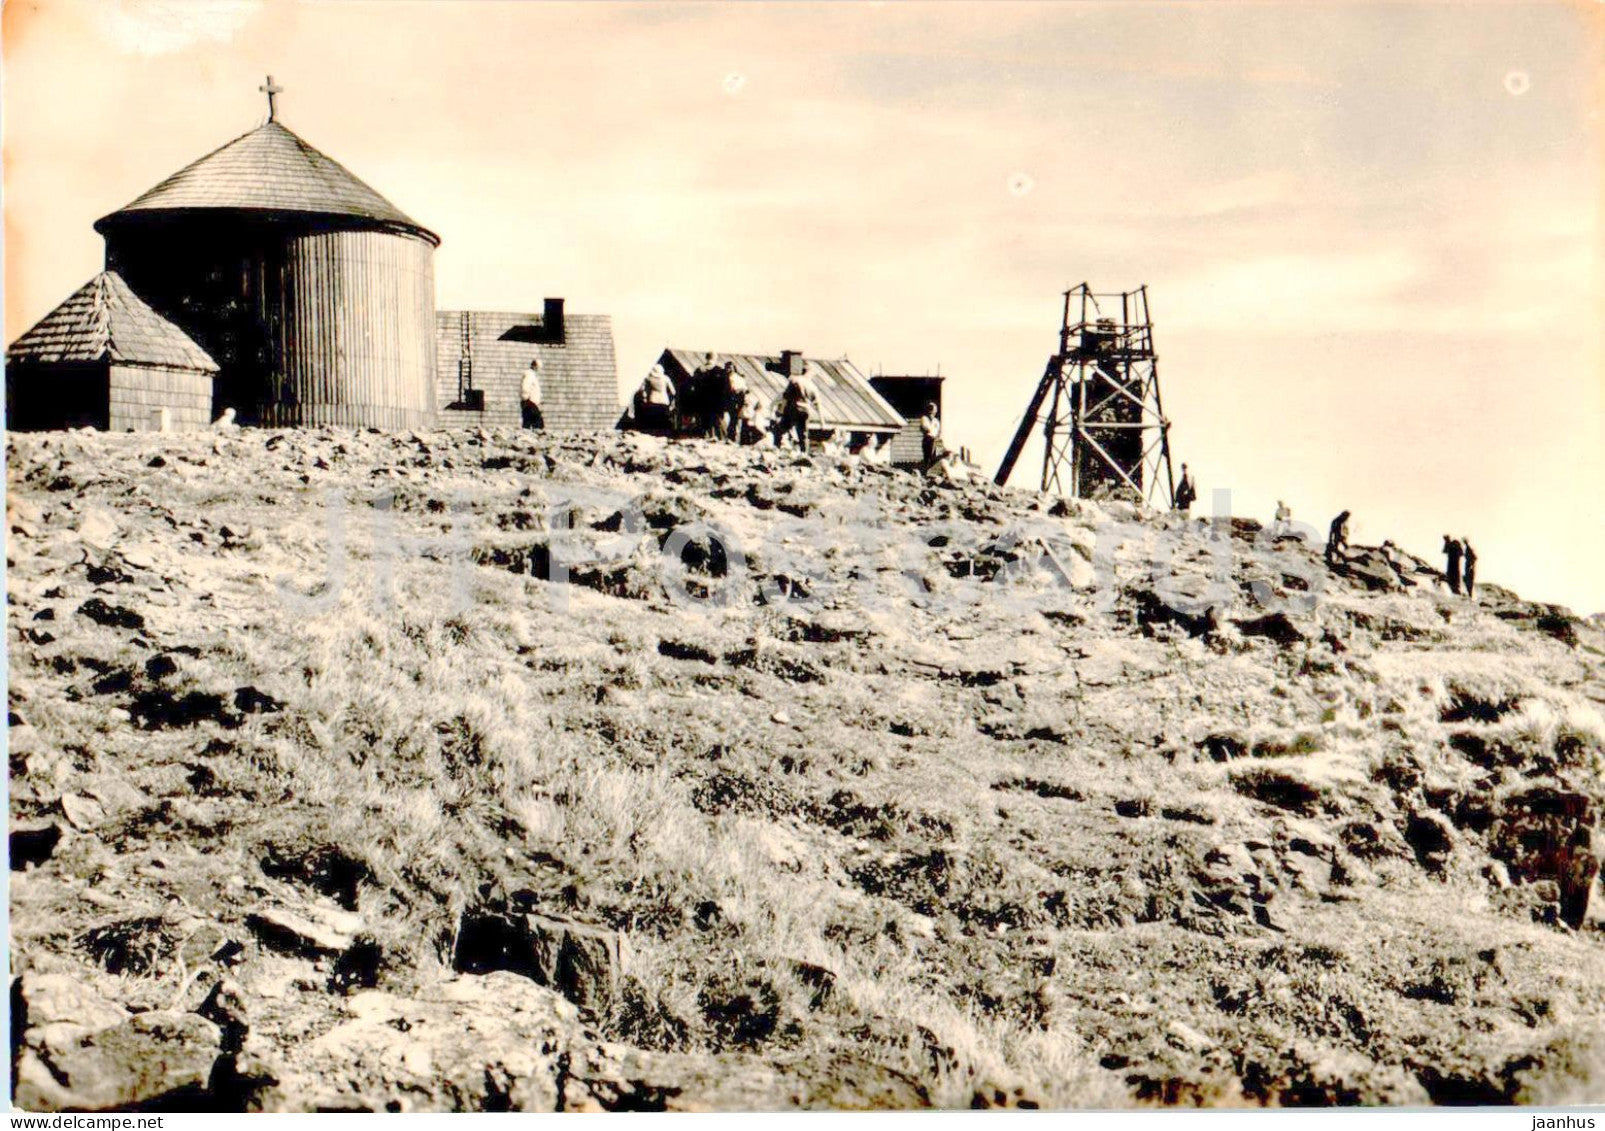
[267, 278]
[314, 294]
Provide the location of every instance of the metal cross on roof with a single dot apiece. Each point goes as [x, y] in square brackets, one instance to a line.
[270, 90]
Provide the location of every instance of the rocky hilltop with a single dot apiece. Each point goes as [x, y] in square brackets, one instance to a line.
[462, 770]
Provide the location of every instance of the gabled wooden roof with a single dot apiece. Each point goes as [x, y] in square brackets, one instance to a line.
[106, 321]
[846, 399]
[269, 169]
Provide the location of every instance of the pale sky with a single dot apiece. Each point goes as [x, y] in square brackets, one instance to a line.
[1372, 233]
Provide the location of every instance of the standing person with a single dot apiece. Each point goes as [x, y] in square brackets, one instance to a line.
[798, 405]
[1469, 568]
[529, 395]
[1186, 493]
[931, 433]
[735, 402]
[657, 401]
[704, 397]
[1452, 551]
[1337, 538]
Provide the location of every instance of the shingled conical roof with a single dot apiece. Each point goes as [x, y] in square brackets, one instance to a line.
[269, 169]
[106, 321]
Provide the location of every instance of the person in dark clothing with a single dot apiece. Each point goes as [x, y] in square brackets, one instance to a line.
[1337, 537]
[702, 399]
[655, 402]
[1452, 552]
[736, 392]
[1186, 493]
[1469, 569]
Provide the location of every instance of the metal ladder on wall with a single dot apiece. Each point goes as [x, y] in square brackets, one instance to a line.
[465, 359]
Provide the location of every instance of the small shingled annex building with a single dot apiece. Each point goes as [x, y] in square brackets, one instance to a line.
[909, 395]
[105, 359]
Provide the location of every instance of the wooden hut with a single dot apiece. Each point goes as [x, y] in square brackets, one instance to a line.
[314, 294]
[482, 355]
[909, 395]
[105, 359]
[848, 405]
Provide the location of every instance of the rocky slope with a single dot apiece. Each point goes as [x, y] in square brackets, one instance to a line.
[357, 770]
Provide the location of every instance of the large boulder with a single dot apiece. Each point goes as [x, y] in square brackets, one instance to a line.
[1544, 833]
[152, 1060]
[1371, 569]
[492, 1043]
[60, 1003]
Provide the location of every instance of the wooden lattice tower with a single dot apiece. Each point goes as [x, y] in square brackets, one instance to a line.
[1105, 434]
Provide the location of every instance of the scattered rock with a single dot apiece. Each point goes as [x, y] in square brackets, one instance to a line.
[581, 962]
[1186, 1037]
[320, 931]
[107, 574]
[33, 843]
[161, 666]
[326, 868]
[1273, 626]
[249, 701]
[82, 813]
[1432, 836]
[97, 530]
[1371, 569]
[112, 616]
[496, 1042]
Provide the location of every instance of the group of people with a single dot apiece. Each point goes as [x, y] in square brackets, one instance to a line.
[1460, 565]
[718, 403]
[1460, 560]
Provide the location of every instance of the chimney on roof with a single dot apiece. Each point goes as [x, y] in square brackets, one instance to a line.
[792, 363]
[552, 322]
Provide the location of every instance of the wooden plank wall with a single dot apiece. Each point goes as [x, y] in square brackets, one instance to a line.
[135, 394]
[579, 378]
[311, 324]
[908, 445]
[355, 324]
